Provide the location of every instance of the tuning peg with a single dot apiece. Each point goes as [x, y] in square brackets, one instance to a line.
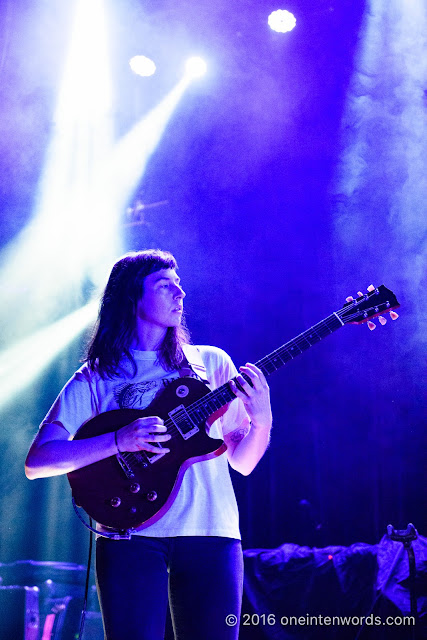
[382, 320]
[371, 325]
[394, 315]
[369, 289]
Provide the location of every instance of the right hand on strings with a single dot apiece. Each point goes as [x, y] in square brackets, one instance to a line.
[137, 435]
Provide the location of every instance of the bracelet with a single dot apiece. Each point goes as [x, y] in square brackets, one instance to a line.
[115, 440]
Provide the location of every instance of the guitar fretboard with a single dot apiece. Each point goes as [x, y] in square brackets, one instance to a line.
[200, 410]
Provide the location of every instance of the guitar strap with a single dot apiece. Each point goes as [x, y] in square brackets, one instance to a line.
[193, 363]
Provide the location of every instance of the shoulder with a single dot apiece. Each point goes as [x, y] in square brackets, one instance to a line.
[79, 383]
[215, 355]
[219, 366]
[84, 374]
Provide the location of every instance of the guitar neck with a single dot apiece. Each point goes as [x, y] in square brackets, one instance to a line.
[290, 350]
[215, 400]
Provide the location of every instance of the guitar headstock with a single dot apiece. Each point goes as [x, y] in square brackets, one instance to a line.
[374, 303]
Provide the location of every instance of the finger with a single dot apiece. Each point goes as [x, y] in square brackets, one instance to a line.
[359, 293]
[147, 432]
[259, 373]
[349, 299]
[246, 386]
[371, 288]
[156, 438]
[371, 325]
[394, 315]
[148, 422]
[251, 371]
[155, 428]
[153, 449]
[152, 420]
[143, 427]
[237, 392]
[382, 320]
[254, 368]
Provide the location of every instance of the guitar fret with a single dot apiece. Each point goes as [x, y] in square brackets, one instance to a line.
[269, 364]
[218, 398]
[303, 343]
[268, 367]
[204, 413]
[286, 356]
[295, 348]
[224, 395]
[184, 423]
[277, 361]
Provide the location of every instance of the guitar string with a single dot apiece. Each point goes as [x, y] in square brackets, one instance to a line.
[224, 390]
[173, 430]
[284, 349]
[223, 393]
[301, 340]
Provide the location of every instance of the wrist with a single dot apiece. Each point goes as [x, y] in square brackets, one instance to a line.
[116, 443]
[259, 425]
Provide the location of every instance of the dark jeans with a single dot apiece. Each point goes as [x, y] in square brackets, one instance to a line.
[204, 577]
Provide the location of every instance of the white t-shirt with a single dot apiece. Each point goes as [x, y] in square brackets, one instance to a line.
[205, 504]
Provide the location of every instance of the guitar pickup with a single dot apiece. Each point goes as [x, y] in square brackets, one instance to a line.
[183, 422]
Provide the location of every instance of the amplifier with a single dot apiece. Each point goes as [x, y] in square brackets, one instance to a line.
[19, 607]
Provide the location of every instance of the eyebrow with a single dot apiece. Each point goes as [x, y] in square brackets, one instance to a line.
[168, 279]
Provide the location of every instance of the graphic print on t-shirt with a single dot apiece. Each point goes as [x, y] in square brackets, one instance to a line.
[140, 394]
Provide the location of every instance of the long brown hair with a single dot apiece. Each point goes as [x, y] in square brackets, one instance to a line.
[114, 330]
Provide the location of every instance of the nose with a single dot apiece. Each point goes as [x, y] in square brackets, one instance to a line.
[179, 293]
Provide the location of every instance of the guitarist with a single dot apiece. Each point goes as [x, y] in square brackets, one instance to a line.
[194, 549]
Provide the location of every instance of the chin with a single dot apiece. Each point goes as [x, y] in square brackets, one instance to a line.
[174, 324]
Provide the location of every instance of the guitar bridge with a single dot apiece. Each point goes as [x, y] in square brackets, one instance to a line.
[183, 422]
[124, 465]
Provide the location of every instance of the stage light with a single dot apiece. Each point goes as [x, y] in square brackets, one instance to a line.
[23, 362]
[142, 66]
[73, 229]
[133, 151]
[195, 67]
[86, 184]
[281, 21]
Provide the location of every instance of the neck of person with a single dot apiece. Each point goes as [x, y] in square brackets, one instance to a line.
[148, 337]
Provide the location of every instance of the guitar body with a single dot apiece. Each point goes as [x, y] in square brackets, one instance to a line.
[134, 490]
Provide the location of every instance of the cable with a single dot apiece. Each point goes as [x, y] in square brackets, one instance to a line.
[89, 561]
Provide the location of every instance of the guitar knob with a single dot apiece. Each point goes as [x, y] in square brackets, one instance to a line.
[151, 496]
[115, 502]
[134, 488]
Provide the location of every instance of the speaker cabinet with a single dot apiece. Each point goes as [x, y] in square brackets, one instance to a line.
[19, 607]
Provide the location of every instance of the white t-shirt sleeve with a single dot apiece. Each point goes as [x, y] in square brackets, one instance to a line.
[75, 404]
[220, 369]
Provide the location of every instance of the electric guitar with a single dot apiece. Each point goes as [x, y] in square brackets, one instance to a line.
[135, 489]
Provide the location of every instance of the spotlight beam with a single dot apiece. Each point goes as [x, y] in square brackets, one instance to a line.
[22, 363]
[134, 150]
[73, 228]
